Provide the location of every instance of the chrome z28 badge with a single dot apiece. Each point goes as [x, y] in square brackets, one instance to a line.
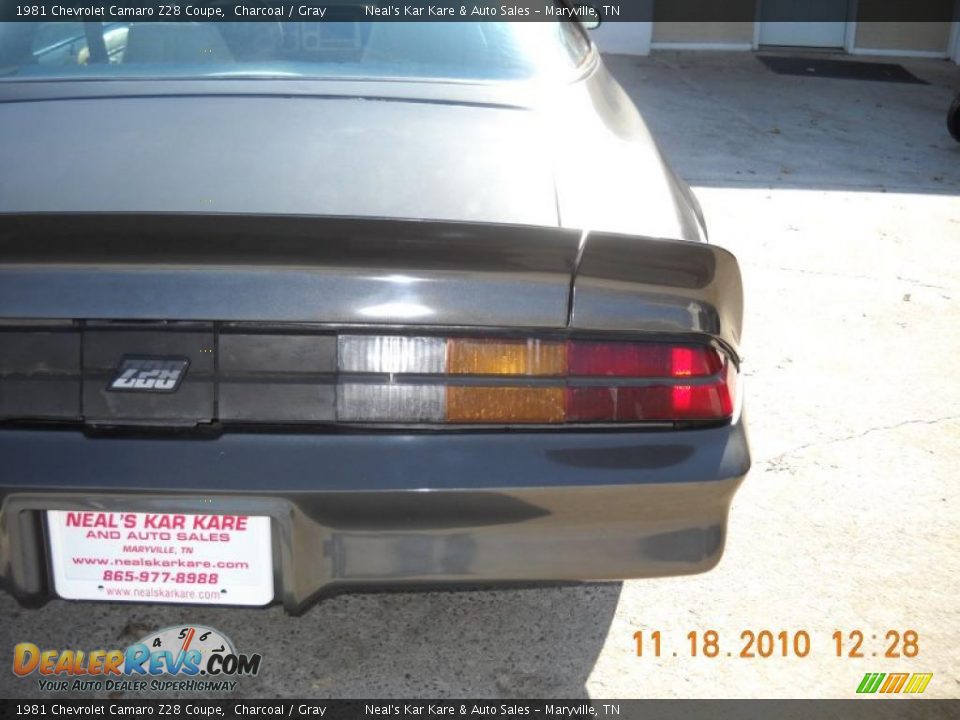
[149, 374]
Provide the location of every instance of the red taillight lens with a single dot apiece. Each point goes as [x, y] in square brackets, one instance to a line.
[707, 396]
[633, 360]
[712, 400]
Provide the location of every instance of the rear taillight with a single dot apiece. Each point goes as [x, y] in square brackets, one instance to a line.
[527, 381]
[681, 382]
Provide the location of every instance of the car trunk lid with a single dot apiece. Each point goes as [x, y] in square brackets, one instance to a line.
[276, 154]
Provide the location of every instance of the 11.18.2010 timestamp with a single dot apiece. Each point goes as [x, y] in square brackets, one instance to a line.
[782, 643]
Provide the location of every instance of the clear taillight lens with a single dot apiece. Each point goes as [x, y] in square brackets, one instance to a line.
[385, 402]
[379, 354]
[397, 379]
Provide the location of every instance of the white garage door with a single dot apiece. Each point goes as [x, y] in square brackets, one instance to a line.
[782, 23]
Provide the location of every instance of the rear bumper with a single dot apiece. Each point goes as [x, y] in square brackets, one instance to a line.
[395, 510]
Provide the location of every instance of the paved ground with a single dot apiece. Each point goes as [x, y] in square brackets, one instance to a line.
[840, 199]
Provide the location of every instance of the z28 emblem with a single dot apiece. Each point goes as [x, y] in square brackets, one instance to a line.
[149, 374]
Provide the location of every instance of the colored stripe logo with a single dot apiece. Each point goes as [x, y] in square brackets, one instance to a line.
[909, 683]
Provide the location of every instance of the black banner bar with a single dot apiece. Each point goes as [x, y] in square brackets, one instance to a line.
[422, 709]
[473, 10]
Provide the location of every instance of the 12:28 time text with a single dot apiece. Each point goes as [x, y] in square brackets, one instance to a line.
[782, 643]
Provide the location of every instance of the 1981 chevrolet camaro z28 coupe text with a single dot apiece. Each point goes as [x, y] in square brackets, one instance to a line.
[290, 308]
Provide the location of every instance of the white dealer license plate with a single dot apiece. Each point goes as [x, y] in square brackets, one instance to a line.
[161, 557]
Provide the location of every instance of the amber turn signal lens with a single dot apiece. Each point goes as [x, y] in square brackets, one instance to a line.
[506, 357]
[505, 405]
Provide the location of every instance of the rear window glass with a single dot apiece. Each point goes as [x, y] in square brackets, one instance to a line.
[451, 50]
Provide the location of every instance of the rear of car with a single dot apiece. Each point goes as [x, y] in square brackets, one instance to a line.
[250, 379]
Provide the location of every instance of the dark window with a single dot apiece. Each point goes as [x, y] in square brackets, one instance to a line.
[429, 50]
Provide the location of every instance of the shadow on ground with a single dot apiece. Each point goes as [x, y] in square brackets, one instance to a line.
[524, 643]
[725, 120]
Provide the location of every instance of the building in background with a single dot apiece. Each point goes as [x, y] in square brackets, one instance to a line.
[859, 27]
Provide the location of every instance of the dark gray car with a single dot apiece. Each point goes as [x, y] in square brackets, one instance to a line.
[289, 308]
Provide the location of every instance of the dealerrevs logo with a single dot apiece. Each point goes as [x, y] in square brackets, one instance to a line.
[197, 658]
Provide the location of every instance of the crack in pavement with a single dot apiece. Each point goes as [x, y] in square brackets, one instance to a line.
[822, 273]
[920, 283]
[849, 276]
[771, 462]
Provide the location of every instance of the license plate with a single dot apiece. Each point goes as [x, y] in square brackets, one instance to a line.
[161, 557]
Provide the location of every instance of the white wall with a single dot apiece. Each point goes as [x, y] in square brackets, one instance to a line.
[634, 38]
[629, 38]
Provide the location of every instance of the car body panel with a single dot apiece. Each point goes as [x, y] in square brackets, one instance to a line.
[394, 509]
[627, 283]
